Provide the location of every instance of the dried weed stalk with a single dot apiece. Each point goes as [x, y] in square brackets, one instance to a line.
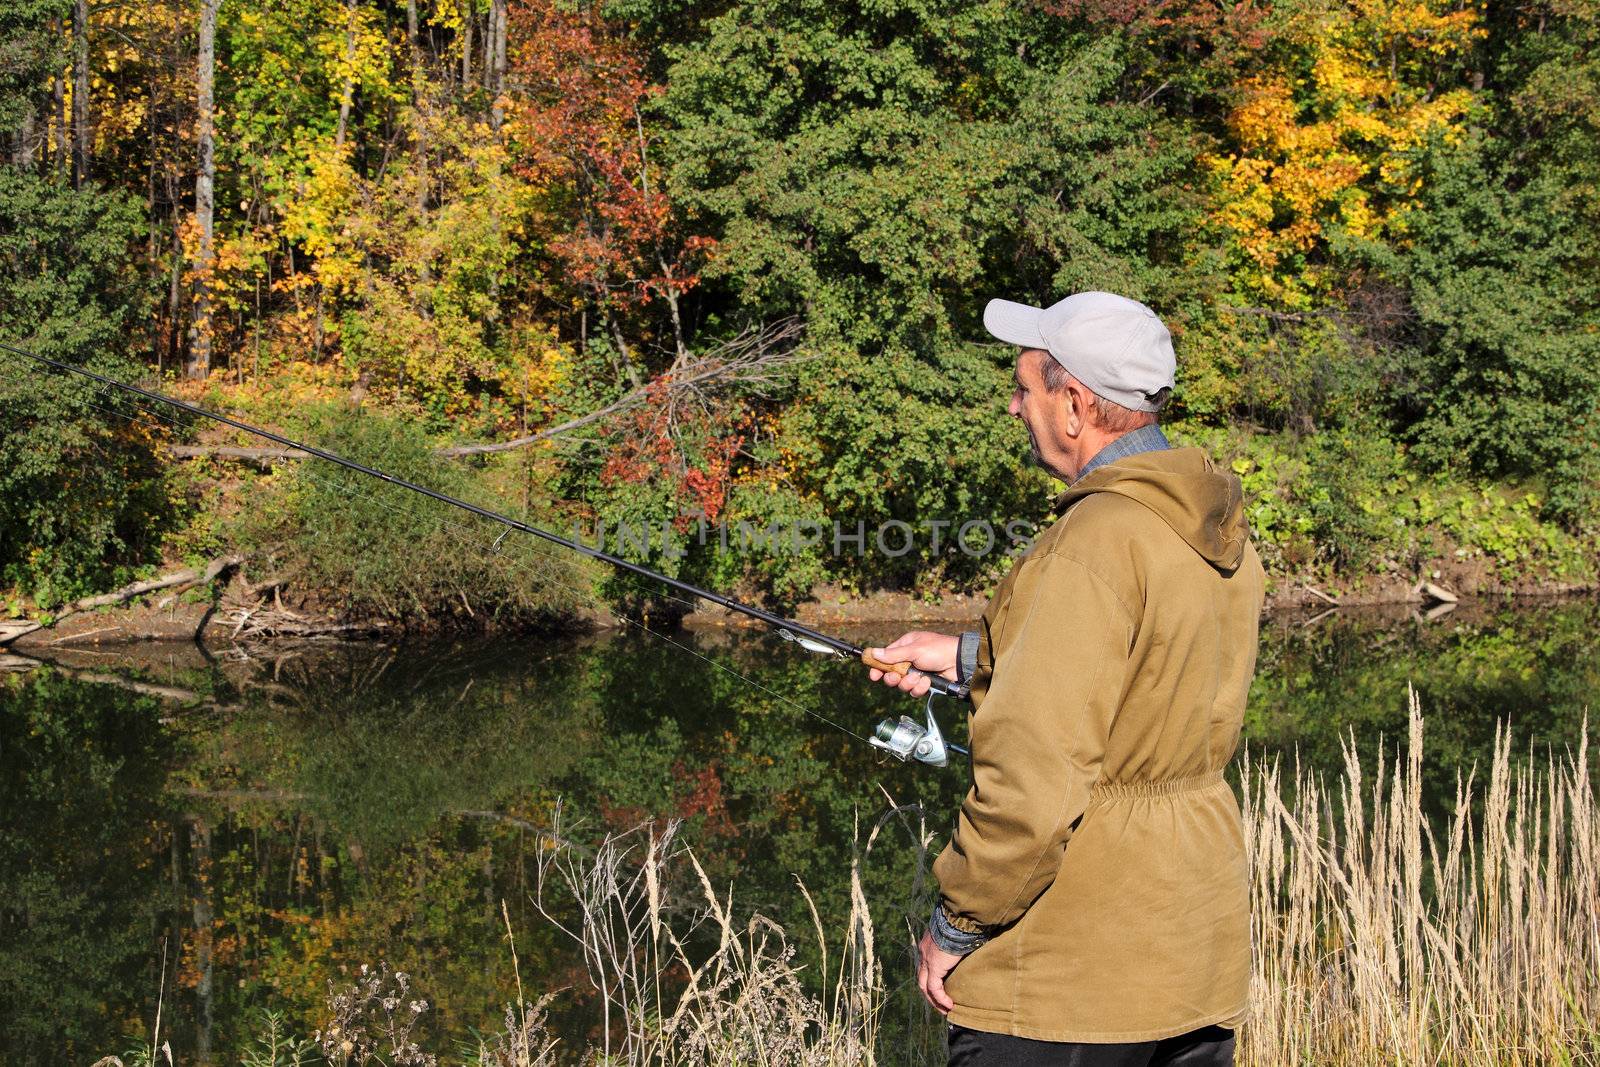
[372, 1022]
[1377, 941]
[740, 1001]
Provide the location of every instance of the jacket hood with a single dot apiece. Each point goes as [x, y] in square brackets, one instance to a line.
[1203, 505]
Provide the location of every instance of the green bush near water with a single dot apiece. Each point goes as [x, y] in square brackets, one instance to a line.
[367, 548]
[1352, 501]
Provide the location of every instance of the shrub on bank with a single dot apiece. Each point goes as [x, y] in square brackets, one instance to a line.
[83, 494]
[364, 547]
[1351, 501]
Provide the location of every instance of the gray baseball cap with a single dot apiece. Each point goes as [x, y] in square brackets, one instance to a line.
[1115, 346]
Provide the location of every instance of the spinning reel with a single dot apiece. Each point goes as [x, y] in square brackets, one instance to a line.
[906, 739]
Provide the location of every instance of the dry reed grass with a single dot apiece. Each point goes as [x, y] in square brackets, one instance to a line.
[739, 997]
[1379, 941]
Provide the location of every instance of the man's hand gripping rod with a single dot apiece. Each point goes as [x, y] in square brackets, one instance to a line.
[902, 738]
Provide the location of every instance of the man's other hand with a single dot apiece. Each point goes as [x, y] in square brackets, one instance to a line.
[929, 653]
[933, 964]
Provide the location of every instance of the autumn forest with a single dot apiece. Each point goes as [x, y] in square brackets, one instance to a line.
[677, 264]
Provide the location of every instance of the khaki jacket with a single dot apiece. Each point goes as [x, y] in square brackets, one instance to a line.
[1098, 842]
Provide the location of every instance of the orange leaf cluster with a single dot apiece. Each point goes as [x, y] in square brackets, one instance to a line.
[580, 128]
[652, 448]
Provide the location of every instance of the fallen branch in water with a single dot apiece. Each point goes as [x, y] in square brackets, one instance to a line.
[12, 629]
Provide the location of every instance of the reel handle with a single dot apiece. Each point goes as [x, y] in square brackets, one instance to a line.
[903, 668]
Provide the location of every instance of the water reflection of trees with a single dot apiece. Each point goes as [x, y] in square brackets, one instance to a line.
[365, 802]
[87, 869]
[1535, 667]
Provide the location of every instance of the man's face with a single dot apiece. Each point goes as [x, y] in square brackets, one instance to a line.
[1059, 435]
[1031, 403]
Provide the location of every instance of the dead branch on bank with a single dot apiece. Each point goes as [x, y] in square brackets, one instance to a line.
[260, 621]
[12, 629]
[263, 456]
[755, 357]
[262, 614]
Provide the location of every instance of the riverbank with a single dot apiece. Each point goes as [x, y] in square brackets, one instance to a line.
[240, 612]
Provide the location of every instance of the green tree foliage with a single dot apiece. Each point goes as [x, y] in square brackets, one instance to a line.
[1504, 374]
[30, 51]
[82, 494]
[883, 172]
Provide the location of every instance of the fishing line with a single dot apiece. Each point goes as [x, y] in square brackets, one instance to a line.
[469, 539]
[488, 554]
[812, 640]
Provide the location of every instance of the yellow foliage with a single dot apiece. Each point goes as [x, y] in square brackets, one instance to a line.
[535, 373]
[358, 50]
[1320, 141]
[318, 218]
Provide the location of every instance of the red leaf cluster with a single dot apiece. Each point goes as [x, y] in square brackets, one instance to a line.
[578, 119]
[1223, 26]
[654, 442]
[704, 797]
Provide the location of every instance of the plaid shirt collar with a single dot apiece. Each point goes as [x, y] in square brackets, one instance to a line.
[1145, 439]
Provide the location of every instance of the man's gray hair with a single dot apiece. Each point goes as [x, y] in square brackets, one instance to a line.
[1108, 414]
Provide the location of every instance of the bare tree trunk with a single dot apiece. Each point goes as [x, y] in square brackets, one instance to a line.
[80, 91]
[681, 355]
[175, 281]
[419, 103]
[466, 45]
[499, 18]
[487, 63]
[627, 366]
[153, 246]
[199, 364]
[25, 136]
[494, 73]
[348, 92]
[58, 99]
[414, 37]
[681, 349]
[319, 335]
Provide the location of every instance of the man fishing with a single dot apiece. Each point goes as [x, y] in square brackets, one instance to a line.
[1093, 901]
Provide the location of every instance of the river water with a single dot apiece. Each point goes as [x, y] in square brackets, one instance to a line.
[221, 837]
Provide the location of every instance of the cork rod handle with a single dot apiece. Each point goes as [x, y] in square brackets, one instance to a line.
[903, 668]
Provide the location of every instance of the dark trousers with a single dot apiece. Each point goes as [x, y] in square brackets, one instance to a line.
[1208, 1047]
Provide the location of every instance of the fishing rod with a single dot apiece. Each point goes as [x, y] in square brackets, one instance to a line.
[905, 738]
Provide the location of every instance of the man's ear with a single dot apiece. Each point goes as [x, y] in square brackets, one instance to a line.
[1077, 413]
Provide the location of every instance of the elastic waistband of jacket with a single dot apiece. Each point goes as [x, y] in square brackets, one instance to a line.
[1166, 787]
